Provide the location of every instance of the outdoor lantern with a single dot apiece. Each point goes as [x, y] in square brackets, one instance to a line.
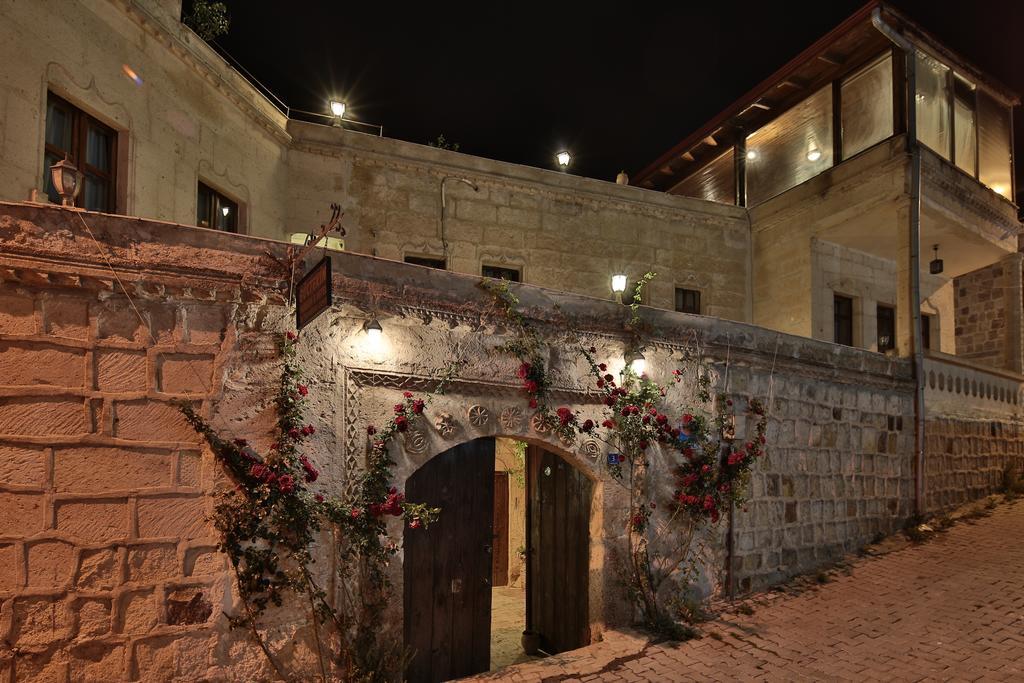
[936, 265]
[618, 286]
[373, 330]
[66, 180]
[751, 154]
[636, 362]
[563, 158]
[225, 210]
[337, 108]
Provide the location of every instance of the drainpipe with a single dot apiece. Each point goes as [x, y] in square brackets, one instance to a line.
[915, 250]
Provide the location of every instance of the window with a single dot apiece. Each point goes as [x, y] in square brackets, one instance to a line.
[89, 145]
[994, 145]
[886, 328]
[964, 126]
[687, 300]
[932, 101]
[866, 106]
[926, 331]
[842, 314]
[428, 261]
[715, 182]
[791, 149]
[499, 273]
[214, 210]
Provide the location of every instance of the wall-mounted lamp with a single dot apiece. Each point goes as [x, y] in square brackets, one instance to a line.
[636, 362]
[564, 159]
[225, 210]
[935, 266]
[618, 286]
[751, 155]
[373, 330]
[66, 180]
[813, 153]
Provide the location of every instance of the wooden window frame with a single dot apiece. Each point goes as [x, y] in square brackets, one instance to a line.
[878, 334]
[217, 200]
[835, 319]
[517, 271]
[684, 291]
[81, 121]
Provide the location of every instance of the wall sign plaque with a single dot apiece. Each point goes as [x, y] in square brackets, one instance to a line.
[313, 294]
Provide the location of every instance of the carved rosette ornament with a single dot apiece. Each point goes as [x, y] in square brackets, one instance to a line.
[415, 441]
[512, 418]
[591, 449]
[445, 425]
[540, 424]
[479, 416]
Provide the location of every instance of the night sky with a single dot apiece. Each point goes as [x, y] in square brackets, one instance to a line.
[518, 81]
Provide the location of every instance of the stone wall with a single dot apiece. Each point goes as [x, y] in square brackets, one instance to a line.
[966, 459]
[988, 312]
[108, 566]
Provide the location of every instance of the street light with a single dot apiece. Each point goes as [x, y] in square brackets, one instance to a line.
[564, 158]
[66, 180]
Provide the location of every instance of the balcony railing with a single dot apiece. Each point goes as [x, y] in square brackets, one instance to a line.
[958, 388]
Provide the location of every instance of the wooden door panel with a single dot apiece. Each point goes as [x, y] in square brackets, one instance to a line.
[500, 537]
[447, 567]
[559, 541]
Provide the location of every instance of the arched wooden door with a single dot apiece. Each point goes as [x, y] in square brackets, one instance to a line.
[558, 575]
[447, 567]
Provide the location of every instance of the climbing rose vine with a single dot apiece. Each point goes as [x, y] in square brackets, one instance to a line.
[269, 521]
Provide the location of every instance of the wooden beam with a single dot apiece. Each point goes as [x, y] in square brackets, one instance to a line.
[710, 140]
[834, 60]
[687, 156]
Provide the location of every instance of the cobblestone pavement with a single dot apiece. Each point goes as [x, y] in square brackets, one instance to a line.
[949, 609]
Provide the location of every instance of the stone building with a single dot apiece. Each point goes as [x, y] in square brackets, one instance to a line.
[110, 314]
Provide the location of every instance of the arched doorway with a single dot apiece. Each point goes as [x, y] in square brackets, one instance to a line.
[449, 567]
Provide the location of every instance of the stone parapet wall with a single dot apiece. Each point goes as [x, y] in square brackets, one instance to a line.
[107, 564]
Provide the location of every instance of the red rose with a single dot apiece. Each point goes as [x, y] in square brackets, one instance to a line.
[415, 523]
[687, 419]
[608, 424]
[407, 394]
[371, 430]
[587, 426]
[319, 498]
[418, 405]
[308, 430]
[530, 386]
[533, 403]
[355, 512]
[643, 445]
[608, 378]
[593, 349]
[292, 336]
[401, 423]
[600, 383]
[286, 483]
[303, 390]
[293, 432]
[259, 471]
[602, 367]
[399, 408]
[524, 370]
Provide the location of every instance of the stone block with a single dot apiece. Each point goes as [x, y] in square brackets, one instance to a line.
[17, 314]
[97, 469]
[139, 612]
[66, 317]
[204, 562]
[93, 617]
[50, 564]
[173, 517]
[10, 567]
[93, 521]
[98, 569]
[152, 563]
[21, 514]
[187, 606]
[28, 364]
[190, 466]
[205, 324]
[22, 466]
[146, 420]
[41, 620]
[118, 370]
[97, 661]
[43, 416]
[182, 373]
[117, 320]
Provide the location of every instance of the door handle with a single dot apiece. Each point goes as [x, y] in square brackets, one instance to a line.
[487, 582]
[488, 549]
